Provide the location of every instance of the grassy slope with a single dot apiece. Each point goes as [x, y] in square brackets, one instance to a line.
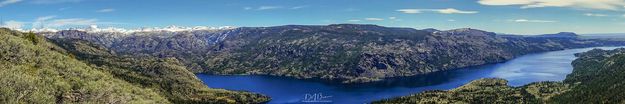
[486, 91]
[34, 70]
[31, 71]
[167, 75]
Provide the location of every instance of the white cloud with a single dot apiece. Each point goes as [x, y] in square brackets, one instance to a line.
[374, 19]
[16, 25]
[268, 7]
[299, 7]
[262, 8]
[442, 11]
[247, 8]
[354, 20]
[45, 18]
[54, 1]
[52, 22]
[64, 8]
[72, 22]
[106, 10]
[595, 15]
[39, 22]
[394, 19]
[454, 11]
[274, 7]
[410, 11]
[585, 4]
[7, 2]
[532, 21]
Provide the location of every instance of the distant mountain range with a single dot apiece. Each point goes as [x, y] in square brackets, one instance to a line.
[345, 53]
[611, 36]
[559, 35]
[95, 28]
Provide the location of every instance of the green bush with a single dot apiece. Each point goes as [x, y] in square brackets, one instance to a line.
[32, 37]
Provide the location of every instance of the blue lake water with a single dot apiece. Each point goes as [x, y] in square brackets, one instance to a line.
[547, 66]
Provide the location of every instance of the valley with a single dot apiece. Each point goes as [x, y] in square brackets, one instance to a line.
[595, 79]
[312, 51]
[527, 69]
[338, 56]
[344, 53]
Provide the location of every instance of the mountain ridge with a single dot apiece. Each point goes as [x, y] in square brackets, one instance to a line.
[349, 53]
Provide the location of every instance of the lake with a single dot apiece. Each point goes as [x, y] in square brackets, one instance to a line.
[547, 66]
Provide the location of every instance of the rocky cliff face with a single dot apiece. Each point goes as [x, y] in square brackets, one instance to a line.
[347, 53]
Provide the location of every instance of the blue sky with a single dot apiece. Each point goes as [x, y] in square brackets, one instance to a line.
[503, 16]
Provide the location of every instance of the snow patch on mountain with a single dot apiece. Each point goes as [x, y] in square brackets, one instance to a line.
[96, 29]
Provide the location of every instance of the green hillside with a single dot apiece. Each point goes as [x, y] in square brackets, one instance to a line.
[32, 71]
[167, 76]
[36, 70]
[599, 75]
[597, 78]
[486, 91]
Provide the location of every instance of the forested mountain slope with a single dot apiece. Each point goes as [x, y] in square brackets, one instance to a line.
[33, 71]
[597, 78]
[166, 75]
[347, 53]
[37, 70]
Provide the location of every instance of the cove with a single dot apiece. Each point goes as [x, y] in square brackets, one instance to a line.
[546, 66]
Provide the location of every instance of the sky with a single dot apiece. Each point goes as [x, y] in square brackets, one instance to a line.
[524, 17]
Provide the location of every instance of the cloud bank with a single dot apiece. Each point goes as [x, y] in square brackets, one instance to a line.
[53, 22]
[595, 15]
[582, 4]
[7, 2]
[374, 19]
[16, 25]
[106, 10]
